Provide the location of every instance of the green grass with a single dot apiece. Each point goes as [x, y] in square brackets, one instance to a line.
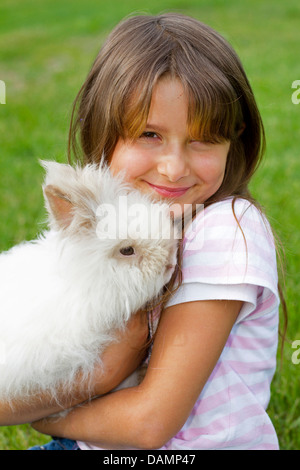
[46, 49]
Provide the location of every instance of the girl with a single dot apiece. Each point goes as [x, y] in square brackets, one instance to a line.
[168, 101]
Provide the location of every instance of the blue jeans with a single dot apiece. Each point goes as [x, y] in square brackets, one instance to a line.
[58, 443]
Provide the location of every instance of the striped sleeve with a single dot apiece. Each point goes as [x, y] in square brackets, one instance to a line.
[226, 260]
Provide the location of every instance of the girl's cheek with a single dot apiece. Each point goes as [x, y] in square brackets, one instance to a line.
[212, 168]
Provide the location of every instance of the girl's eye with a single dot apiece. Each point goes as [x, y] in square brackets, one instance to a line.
[201, 144]
[148, 135]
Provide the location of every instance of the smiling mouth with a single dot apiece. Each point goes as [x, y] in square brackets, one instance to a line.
[169, 192]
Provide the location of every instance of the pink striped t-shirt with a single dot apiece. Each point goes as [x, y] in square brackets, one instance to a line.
[230, 412]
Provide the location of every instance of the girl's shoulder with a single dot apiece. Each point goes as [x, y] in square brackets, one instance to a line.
[229, 253]
[233, 210]
[230, 242]
[229, 219]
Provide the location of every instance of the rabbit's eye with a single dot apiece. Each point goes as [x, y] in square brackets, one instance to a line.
[128, 251]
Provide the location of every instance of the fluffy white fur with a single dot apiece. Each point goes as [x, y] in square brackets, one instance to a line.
[64, 295]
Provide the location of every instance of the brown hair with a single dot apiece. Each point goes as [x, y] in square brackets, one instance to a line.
[115, 99]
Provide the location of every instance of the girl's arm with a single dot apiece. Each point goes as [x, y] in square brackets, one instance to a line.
[119, 360]
[188, 343]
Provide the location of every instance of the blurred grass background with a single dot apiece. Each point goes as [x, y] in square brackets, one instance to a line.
[46, 50]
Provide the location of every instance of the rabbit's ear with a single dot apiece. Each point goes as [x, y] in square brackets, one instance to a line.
[59, 206]
[56, 173]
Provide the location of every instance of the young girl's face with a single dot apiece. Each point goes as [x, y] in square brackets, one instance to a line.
[165, 160]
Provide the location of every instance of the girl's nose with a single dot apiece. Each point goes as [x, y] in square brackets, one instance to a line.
[173, 166]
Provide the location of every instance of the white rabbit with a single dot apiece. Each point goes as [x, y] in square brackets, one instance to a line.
[64, 295]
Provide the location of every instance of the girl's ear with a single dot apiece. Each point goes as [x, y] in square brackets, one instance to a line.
[59, 206]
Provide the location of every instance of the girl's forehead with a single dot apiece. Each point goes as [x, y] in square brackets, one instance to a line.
[168, 96]
[212, 107]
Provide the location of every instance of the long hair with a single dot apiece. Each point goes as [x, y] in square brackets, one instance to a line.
[115, 99]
